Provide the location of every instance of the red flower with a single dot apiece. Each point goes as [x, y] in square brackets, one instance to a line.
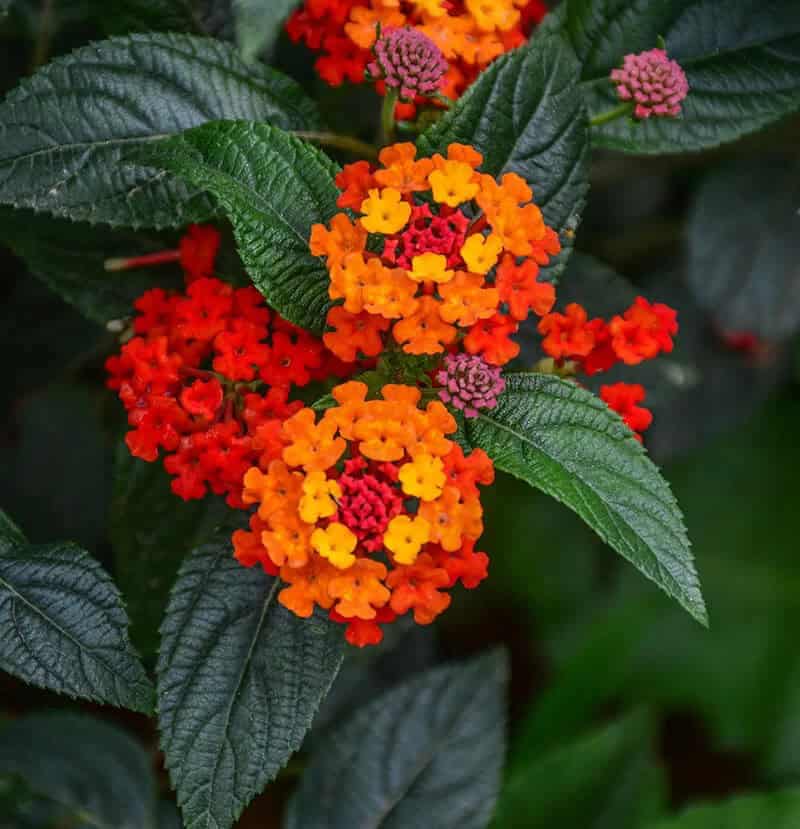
[491, 338]
[623, 399]
[198, 250]
[643, 331]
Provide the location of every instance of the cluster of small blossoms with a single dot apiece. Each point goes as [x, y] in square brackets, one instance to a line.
[652, 83]
[441, 256]
[207, 376]
[469, 34]
[592, 346]
[368, 512]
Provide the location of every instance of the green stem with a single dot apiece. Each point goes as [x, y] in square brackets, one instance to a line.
[617, 112]
[387, 116]
[340, 142]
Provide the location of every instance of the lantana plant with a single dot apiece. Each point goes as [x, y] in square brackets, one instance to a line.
[362, 330]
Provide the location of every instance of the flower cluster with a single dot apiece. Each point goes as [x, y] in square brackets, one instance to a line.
[368, 512]
[653, 83]
[440, 254]
[470, 34]
[207, 378]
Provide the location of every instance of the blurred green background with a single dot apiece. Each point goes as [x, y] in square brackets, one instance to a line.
[621, 705]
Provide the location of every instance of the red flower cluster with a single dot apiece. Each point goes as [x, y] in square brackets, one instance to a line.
[207, 378]
[469, 33]
[642, 332]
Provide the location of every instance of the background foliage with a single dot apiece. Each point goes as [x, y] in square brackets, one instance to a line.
[567, 691]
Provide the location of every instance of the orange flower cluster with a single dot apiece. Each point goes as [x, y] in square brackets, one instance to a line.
[470, 34]
[457, 259]
[369, 513]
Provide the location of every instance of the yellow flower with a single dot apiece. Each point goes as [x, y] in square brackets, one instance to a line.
[318, 494]
[453, 183]
[336, 543]
[430, 267]
[385, 211]
[431, 8]
[405, 536]
[423, 478]
[493, 14]
[481, 254]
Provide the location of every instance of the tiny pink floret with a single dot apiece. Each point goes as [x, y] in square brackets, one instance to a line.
[653, 82]
[470, 384]
[409, 61]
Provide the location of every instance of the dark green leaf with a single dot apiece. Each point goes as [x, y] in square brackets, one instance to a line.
[566, 442]
[69, 257]
[10, 534]
[64, 626]
[428, 753]
[740, 57]
[273, 188]
[239, 681]
[744, 264]
[776, 810]
[93, 775]
[151, 531]
[123, 16]
[526, 115]
[65, 132]
[608, 780]
[259, 24]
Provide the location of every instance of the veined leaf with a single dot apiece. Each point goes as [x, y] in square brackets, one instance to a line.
[66, 132]
[64, 625]
[273, 187]
[90, 774]
[525, 113]
[428, 753]
[777, 810]
[740, 57]
[568, 443]
[239, 681]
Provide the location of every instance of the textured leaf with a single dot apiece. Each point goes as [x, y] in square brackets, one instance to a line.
[239, 681]
[66, 131]
[744, 264]
[273, 188]
[740, 57]
[69, 257]
[526, 115]
[608, 780]
[93, 774]
[566, 442]
[151, 531]
[64, 627]
[428, 753]
[259, 24]
[776, 810]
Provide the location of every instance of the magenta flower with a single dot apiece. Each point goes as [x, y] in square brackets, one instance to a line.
[470, 384]
[408, 61]
[653, 82]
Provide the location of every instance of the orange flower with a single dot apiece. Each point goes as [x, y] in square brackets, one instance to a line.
[354, 334]
[385, 211]
[417, 586]
[402, 172]
[364, 22]
[352, 279]
[288, 540]
[452, 518]
[491, 338]
[520, 289]
[567, 335]
[360, 590]
[308, 587]
[424, 332]
[312, 445]
[355, 182]
[350, 397]
[383, 438]
[277, 490]
[343, 238]
[466, 300]
[391, 295]
[453, 183]
[493, 14]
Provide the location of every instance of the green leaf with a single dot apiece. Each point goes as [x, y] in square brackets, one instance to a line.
[526, 115]
[259, 24]
[740, 58]
[151, 531]
[66, 132]
[65, 627]
[429, 752]
[744, 264]
[776, 810]
[273, 188]
[607, 780]
[123, 16]
[10, 534]
[239, 681]
[566, 442]
[69, 258]
[93, 775]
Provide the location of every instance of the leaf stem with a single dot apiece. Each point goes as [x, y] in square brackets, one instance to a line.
[340, 142]
[387, 116]
[620, 111]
